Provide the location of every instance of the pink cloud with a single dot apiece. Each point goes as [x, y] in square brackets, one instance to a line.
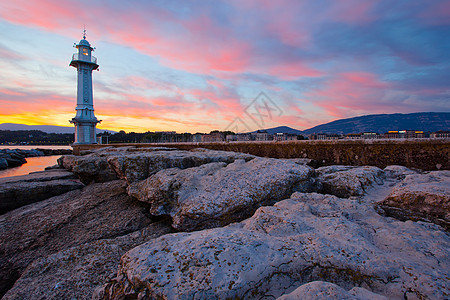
[351, 92]
[40, 13]
[196, 44]
[292, 70]
[436, 13]
[351, 11]
[11, 92]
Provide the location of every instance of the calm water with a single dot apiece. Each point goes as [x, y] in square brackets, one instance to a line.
[33, 164]
[33, 147]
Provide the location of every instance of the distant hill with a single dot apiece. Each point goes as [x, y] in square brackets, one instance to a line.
[282, 129]
[426, 121]
[44, 128]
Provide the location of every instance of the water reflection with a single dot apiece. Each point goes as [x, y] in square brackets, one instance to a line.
[33, 164]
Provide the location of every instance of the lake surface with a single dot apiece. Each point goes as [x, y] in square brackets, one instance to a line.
[28, 147]
[34, 164]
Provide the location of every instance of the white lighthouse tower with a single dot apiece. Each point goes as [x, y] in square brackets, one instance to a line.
[85, 120]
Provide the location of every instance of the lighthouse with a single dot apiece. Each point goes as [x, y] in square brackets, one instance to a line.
[85, 120]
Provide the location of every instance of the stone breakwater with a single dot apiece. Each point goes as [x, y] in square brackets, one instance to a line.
[423, 154]
[162, 223]
[10, 158]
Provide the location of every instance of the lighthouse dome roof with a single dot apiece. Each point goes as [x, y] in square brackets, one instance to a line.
[84, 42]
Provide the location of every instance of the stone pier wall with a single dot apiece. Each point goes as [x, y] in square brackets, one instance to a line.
[429, 154]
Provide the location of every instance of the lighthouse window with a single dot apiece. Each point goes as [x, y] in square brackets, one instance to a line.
[85, 51]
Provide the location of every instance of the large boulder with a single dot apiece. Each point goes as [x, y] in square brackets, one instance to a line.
[140, 165]
[74, 273]
[217, 194]
[306, 238]
[421, 197]
[12, 157]
[3, 163]
[134, 164]
[347, 181]
[320, 290]
[18, 191]
[89, 168]
[98, 211]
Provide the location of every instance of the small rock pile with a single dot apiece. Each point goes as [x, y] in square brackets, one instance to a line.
[14, 158]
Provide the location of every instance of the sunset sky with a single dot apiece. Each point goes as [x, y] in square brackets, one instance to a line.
[196, 66]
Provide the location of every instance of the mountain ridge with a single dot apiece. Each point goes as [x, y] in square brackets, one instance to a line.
[382, 123]
[379, 123]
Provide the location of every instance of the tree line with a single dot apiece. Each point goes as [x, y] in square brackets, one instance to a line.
[37, 137]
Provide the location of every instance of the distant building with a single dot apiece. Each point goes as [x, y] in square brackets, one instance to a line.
[353, 136]
[243, 137]
[413, 134]
[284, 137]
[393, 134]
[404, 134]
[369, 135]
[324, 136]
[213, 137]
[261, 135]
[231, 137]
[197, 138]
[440, 134]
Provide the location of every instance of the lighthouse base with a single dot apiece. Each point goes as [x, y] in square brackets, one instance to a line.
[85, 132]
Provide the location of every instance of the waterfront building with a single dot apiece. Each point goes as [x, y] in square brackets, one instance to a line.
[243, 137]
[231, 138]
[261, 135]
[324, 136]
[85, 120]
[213, 137]
[440, 134]
[369, 135]
[353, 136]
[281, 136]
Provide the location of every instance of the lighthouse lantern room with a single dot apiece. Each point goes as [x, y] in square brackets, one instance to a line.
[85, 120]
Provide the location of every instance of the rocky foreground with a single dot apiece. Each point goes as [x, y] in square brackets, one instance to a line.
[160, 223]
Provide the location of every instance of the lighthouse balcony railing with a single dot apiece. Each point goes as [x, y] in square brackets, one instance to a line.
[86, 58]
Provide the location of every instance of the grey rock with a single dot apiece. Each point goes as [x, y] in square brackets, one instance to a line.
[141, 165]
[320, 290]
[13, 157]
[134, 164]
[54, 167]
[3, 163]
[76, 272]
[89, 168]
[18, 191]
[306, 238]
[15, 162]
[398, 172]
[98, 211]
[300, 161]
[217, 194]
[347, 181]
[56, 174]
[421, 197]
